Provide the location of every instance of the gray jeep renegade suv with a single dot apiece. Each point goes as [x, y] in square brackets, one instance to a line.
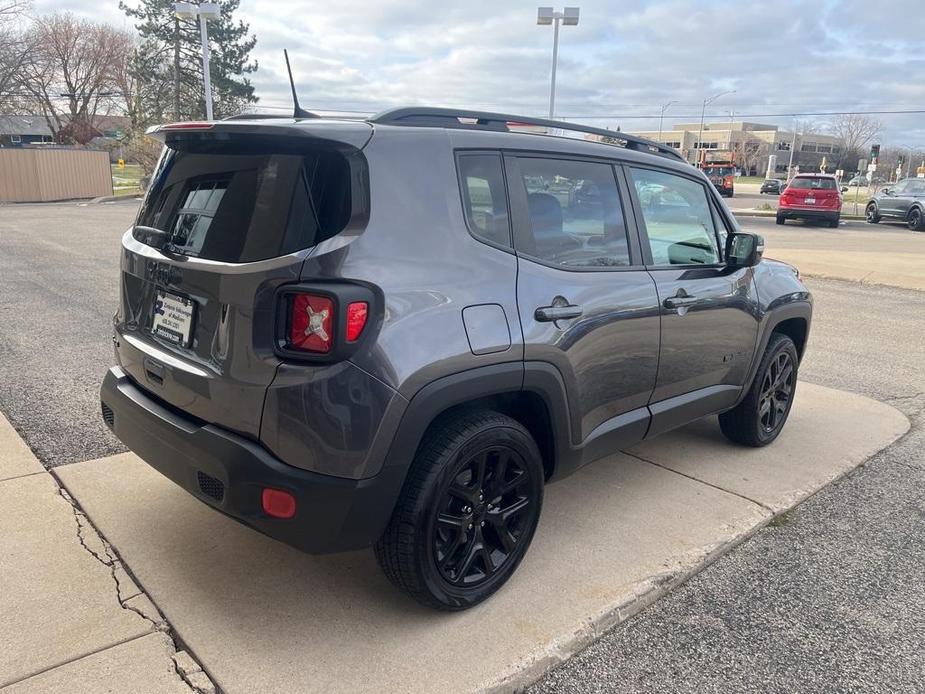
[395, 331]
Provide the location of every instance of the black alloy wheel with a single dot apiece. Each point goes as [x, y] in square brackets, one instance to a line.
[484, 512]
[916, 220]
[776, 393]
[468, 510]
[759, 418]
[871, 213]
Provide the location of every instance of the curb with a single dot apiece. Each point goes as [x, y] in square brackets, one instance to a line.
[112, 198]
[772, 213]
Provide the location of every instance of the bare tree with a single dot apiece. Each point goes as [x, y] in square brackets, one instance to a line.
[15, 51]
[72, 77]
[855, 132]
[746, 155]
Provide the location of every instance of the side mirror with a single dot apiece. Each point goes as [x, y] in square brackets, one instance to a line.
[744, 250]
[886, 191]
[844, 189]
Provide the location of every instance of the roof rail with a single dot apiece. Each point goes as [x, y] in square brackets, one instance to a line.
[261, 116]
[455, 118]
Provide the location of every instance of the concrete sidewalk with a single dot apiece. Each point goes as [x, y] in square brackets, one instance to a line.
[71, 617]
[613, 538]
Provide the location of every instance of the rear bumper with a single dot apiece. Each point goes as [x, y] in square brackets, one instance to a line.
[808, 213]
[228, 472]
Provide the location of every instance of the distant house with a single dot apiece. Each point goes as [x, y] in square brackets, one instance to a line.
[16, 131]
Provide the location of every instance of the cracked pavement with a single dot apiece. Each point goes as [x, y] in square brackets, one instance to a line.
[829, 597]
[72, 612]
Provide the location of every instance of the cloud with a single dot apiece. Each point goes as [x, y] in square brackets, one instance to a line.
[623, 58]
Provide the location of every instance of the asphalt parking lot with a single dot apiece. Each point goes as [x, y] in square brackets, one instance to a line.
[833, 592]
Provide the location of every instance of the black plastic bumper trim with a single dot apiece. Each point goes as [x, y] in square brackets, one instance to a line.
[333, 513]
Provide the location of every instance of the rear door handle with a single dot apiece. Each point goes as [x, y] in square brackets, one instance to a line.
[548, 314]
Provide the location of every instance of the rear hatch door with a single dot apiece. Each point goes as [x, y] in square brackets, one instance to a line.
[812, 192]
[231, 214]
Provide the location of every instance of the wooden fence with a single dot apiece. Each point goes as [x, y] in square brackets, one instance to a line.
[42, 175]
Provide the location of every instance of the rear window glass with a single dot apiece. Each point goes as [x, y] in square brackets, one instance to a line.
[244, 203]
[806, 183]
[720, 171]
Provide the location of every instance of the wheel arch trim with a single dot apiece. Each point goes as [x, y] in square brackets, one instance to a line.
[783, 309]
[539, 378]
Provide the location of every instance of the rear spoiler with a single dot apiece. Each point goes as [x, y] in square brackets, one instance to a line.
[354, 133]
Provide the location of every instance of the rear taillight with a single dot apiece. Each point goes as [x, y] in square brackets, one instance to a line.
[357, 313]
[311, 323]
[323, 322]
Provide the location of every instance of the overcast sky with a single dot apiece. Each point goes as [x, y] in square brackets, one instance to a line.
[780, 56]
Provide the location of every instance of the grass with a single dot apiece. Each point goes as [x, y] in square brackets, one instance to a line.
[782, 519]
[126, 181]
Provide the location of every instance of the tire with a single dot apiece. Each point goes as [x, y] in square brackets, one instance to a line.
[871, 213]
[746, 423]
[780, 219]
[916, 219]
[833, 223]
[459, 561]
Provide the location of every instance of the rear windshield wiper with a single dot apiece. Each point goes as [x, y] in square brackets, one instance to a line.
[156, 238]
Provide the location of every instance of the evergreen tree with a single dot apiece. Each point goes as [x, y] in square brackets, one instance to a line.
[168, 63]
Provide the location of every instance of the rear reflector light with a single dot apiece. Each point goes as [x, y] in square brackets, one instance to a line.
[311, 323]
[356, 319]
[278, 504]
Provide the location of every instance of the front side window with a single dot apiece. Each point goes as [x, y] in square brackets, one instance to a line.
[678, 218]
[484, 197]
[900, 188]
[576, 217]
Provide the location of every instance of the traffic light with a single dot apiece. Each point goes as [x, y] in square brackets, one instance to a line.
[874, 152]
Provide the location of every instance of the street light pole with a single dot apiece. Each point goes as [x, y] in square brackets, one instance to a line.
[661, 117]
[204, 11]
[793, 146]
[706, 102]
[206, 78]
[544, 17]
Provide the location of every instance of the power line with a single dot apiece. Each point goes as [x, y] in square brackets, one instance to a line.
[756, 115]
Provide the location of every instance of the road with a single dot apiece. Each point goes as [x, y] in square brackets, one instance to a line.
[59, 282]
[829, 599]
[747, 197]
[872, 253]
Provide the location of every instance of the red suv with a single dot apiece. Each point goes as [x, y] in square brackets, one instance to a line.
[811, 197]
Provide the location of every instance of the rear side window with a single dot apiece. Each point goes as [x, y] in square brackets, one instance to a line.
[481, 177]
[239, 203]
[576, 216]
[809, 183]
[678, 218]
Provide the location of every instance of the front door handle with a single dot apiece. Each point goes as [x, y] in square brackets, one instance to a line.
[679, 301]
[548, 314]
